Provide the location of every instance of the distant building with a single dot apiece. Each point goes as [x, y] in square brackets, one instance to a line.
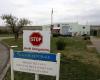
[95, 30]
[5, 28]
[32, 28]
[46, 28]
[72, 29]
[56, 29]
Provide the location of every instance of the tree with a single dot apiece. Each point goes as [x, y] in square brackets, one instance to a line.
[15, 24]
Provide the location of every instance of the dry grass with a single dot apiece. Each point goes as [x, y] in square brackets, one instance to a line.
[78, 62]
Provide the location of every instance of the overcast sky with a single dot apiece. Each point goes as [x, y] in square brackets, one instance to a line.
[39, 11]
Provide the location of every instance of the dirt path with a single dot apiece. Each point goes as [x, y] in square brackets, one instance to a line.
[4, 57]
[96, 43]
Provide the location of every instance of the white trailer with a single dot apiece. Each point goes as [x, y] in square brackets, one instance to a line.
[72, 29]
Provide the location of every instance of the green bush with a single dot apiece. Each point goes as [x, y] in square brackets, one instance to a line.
[56, 35]
[61, 44]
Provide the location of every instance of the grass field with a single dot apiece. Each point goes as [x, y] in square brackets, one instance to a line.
[77, 61]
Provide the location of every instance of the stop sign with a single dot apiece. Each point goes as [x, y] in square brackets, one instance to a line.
[35, 38]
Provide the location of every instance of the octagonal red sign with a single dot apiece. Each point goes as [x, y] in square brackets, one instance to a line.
[36, 39]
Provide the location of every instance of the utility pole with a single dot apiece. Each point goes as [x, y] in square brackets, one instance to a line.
[52, 19]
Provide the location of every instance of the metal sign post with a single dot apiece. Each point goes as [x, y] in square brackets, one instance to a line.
[11, 61]
[36, 76]
[58, 66]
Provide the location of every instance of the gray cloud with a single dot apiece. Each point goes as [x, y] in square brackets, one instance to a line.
[39, 11]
